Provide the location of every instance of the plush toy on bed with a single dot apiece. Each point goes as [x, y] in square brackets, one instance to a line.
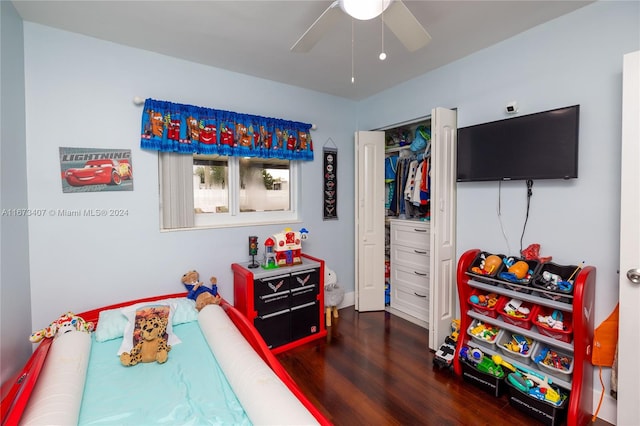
[202, 294]
[65, 323]
[152, 344]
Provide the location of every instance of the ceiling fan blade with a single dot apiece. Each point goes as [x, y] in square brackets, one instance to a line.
[318, 29]
[405, 26]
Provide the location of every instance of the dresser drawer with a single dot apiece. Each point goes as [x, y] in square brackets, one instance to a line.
[415, 277]
[410, 300]
[304, 286]
[410, 233]
[410, 257]
[272, 294]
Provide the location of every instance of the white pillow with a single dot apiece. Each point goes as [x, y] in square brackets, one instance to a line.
[111, 325]
[112, 322]
[161, 308]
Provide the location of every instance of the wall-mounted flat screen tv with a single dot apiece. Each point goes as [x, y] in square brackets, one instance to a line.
[543, 145]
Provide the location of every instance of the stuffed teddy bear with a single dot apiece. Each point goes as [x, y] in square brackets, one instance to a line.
[65, 323]
[202, 294]
[152, 345]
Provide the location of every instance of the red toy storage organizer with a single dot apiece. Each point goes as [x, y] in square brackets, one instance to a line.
[580, 405]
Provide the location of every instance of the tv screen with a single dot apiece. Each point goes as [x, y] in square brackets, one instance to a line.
[543, 145]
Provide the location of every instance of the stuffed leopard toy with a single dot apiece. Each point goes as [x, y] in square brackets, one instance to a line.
[152, 345]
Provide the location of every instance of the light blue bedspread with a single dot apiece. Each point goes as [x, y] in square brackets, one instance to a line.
[189, 389]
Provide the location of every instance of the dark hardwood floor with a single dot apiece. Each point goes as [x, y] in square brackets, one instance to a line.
[375, 368]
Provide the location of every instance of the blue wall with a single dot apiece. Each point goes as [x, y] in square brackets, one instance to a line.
[574, 59]
[15, 304]
[85, 100]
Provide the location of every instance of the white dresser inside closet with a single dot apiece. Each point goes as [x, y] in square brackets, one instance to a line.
[409, 253]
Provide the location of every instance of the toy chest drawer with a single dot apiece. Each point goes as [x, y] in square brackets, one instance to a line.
[544, 411]
[305, 320]
[485, 381]
[511, 282]
[304, 286]
[485, 303]
[546, 328]
[506, 345]
[555, 282]
[271, 294]
[275, 328]
[504, 309]
[483, 271]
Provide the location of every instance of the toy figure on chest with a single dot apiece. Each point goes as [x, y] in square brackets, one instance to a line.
[287, 247]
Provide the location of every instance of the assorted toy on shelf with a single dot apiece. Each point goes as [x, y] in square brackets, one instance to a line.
[517, 346]
[526, 380]
[486, 265]
[532, 252]
[556, 281]
[537, 386]
[481, 362]
[553, 360]
[516, 312]
[483, 333]
[554, 323]
[479, 369]
[519, 271]
[484, 303]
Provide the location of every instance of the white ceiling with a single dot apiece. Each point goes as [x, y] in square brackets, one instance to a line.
[254, 37]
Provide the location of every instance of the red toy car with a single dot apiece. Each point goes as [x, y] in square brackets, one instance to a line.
[94, 172]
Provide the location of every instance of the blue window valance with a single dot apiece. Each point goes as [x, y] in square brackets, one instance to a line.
[188, 129]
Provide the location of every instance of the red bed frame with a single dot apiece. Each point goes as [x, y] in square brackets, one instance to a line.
[16, 392]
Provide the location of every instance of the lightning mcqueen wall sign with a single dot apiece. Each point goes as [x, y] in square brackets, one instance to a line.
[90, 169]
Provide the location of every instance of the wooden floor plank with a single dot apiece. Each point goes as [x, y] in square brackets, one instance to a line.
[375, 368]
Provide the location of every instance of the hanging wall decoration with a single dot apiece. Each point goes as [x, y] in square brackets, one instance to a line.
[188, 129]
[96, 170]
[330, 181]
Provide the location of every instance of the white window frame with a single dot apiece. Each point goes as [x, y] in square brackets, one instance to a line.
[176, 197]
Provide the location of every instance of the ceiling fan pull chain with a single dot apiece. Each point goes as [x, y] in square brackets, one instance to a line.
[353, 78]
[383, 55]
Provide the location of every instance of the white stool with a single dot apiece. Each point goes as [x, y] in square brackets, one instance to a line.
[333, 296]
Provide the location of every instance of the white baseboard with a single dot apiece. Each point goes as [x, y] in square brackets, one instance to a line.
[608, 410]
[349, 300]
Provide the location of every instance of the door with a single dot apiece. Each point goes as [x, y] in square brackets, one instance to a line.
[442, 268]
[628, 345]
[369, 198]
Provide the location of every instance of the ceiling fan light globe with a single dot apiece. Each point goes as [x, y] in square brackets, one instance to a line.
[364, 9]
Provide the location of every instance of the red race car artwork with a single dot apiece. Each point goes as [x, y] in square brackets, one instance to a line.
[95, 172]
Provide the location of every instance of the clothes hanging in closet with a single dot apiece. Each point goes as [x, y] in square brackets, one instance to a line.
[409, 193]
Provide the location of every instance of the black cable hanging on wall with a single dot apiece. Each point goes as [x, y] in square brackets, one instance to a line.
[529, 194]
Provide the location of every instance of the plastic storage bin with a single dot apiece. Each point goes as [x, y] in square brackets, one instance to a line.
[508, 350]
[555, 281]
[479, 270]
[511, 282]
[486, 308]
[489, 383]
[554, 361]
[543, 320]
[503, 310]
[485, 334]
[544, 411]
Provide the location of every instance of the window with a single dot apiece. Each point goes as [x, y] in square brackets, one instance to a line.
[214, 190]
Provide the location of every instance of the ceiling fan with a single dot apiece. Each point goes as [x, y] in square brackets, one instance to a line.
[396, 16]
